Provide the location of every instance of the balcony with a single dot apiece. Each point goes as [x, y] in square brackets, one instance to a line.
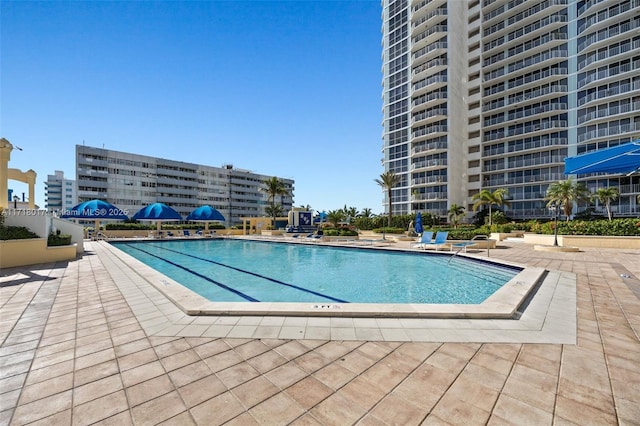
[609, 36]
[429, 115]
[600, 77]
[430, 147]
[608, 113]
[609, 132]
[622, 89]
[601, 17]
[559, 159]
[430, 164]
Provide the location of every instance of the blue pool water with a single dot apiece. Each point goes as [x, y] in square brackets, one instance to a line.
[236, 270]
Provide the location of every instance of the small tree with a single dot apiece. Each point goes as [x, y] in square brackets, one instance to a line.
[388, 180]
[565, 193]
[456, 213]
[350, 213]
[274, 187]
[334, 217]
[366, 213]
[606, 196]
[486, 197]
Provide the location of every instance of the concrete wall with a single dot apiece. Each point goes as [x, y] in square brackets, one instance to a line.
[594, 241]
[43, 223]
[32, 252]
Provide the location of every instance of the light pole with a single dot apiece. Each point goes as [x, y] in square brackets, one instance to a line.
[555, 227]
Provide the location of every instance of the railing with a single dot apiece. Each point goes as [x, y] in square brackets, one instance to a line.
[432, 63]
[425, 18]
[536, 59]
[428, 97]
[431, 80]
[536, 161]
[429, 147]
[428, 114]
[608, 13]
[429, 179]
[600, 55]
[430, 31]
[430, 48]
[607, 34]
[621, 109]
[430, 163]
[429, 130]
[538, 144]
[604, 93]
[610, 131]
[610, 72]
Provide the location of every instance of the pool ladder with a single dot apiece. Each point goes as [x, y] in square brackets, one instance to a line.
[455, 254]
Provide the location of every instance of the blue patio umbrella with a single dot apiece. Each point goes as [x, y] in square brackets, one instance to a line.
[97, 210]
[157, 212]
[621, 159]
[205, 214]
[418, 224]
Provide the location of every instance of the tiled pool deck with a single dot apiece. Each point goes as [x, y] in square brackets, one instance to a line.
[91, 342]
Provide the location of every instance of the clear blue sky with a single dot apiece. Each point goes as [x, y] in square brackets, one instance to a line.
[281, 88]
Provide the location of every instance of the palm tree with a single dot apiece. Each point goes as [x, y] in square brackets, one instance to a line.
[350, 213]
[456, 213]
[335, 217]
[565, 193]
[486, 197]
[606, 196]
[366, 213]
[388, 180]
[274, 187]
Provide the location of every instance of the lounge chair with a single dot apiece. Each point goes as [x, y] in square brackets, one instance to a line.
[424, 239]
[186, 233]
[440, 240]
[463, 245]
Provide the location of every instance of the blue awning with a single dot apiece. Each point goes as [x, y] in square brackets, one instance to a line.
[622, 159]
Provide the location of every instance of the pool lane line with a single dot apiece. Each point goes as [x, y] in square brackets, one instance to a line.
[315, 293]
[225, 287]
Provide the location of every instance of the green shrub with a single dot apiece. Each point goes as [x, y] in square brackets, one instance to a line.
[128, 226]
[388, 230]
[58, 240]
[339, 232]
[16, 233]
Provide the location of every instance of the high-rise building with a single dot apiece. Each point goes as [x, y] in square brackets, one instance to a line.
[496, 94]
[131, 181]
[60, 193]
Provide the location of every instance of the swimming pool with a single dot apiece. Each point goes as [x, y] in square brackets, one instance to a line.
[228, 270]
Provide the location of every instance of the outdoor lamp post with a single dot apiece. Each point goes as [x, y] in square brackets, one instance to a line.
[555, 207]
[15, 201]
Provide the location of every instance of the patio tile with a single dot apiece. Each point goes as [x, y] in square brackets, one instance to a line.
[148, 390]
[395, 410]
[42, 408]
[142, 373]
[285, 375]
[254, 391]
[279, 409]
[159, 409]
[201, 390]
[308, 392]
[237, 374]
[337, 410]
[46, 388]
[334, 375]
[217, 410]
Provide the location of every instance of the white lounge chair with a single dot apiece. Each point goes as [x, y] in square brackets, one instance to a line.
[424, 239]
